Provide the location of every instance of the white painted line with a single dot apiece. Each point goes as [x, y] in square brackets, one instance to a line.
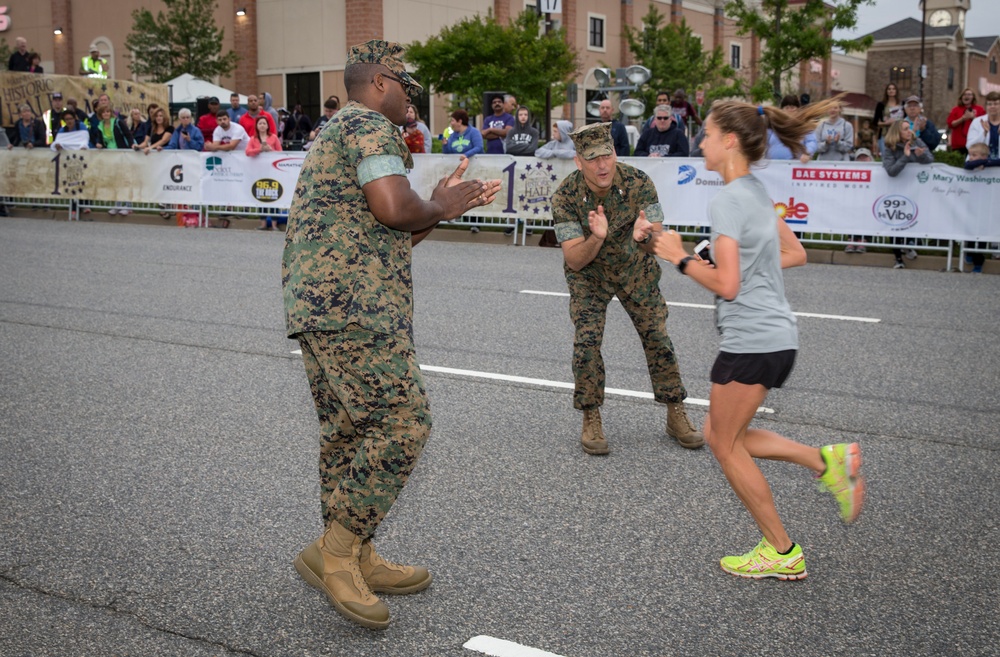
[297, 352]
[844, 318]
[559, 384]
[621, 392]
[499, 648]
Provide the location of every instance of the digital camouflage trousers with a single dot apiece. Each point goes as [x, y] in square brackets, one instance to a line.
[588, 308]
[374, 420]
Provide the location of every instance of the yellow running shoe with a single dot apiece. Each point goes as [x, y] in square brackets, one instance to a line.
[841, 478]
[764, 561]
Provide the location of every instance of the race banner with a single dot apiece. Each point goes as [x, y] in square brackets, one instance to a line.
[267, 180]
[36, 90]
[853, 198]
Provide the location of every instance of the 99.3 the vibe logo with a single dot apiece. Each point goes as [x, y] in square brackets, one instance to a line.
[896, 211]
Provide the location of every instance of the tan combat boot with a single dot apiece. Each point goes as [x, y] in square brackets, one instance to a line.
[593, 433]
[332, 565]
[679, 427]
[388, 577]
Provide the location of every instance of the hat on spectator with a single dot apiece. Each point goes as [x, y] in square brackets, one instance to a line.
[387, 53]
[863, 151]
[213, 100]
[593, 140]
[57, 94]
[912, 99]
[94, 48]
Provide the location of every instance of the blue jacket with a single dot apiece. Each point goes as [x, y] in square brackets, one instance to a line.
[778, 151]
[929, 135]
[197, 142]
[466, 143]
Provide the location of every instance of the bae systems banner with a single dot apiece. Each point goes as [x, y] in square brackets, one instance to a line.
[932, 201]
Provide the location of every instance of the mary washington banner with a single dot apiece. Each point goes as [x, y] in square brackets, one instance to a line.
[934, 201]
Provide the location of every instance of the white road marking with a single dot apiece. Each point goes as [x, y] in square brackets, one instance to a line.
[621, 392]
[705, 306]
[500, 648]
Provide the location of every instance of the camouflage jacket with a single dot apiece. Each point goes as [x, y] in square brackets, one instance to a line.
[620, 259]
[340, 265]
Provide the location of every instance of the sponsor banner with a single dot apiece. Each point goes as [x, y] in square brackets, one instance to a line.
[933, 201]
[36, 90]
[267, 180]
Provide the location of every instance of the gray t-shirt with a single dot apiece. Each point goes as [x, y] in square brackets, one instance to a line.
[759, 320]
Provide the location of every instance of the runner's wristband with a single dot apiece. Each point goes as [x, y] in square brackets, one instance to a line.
[682, 265]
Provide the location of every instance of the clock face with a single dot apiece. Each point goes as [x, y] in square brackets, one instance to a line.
[940, 18]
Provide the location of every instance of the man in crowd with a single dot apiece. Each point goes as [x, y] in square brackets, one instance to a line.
[254, 112]
[227, 136]
[618, 132]
[510, 104]
[93, 65]
[496, 127]
[664, 139]
[208, 121]
[348, 292]
[235, 110]
[662, 98]
[330, 107]
[53, 117]
[920, 124]
[593, 211]
[20, 59]
[683, 111]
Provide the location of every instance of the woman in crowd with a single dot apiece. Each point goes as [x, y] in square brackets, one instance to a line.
[413, 115]
[263, 141]
[888, 110]
[961, 117]
[901, 147]
[413, 137]
[111, 133]
[36, 63]
[750, 247]
[834, 137]
[464, 139]
[139, 128]
[160, 131]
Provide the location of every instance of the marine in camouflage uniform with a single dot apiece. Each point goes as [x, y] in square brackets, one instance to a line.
[619, 267]
[348, 295]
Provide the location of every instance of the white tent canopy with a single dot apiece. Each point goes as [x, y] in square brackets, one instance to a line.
[186, 88]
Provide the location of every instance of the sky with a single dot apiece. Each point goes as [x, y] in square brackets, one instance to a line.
[983, 18]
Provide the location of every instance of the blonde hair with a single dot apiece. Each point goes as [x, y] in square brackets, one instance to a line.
[893, 137]
[982, 149]
[750, 124]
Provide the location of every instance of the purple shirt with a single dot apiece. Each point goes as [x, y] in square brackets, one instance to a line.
[494, 146]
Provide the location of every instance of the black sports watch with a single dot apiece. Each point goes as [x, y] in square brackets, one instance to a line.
[682, 265]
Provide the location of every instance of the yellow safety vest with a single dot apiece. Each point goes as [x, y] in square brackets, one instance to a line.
[96, 68]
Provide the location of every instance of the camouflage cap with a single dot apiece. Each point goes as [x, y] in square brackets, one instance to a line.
[388, 54]
[593, 140]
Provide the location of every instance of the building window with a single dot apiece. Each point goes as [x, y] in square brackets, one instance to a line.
[993, 65]
[596, 38]
[735, 55]
[902, 77]
[951, 77]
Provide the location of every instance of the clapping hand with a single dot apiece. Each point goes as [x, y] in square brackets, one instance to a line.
[598, 223]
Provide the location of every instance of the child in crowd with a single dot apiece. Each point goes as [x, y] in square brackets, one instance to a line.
[979, 155]
[866, 136]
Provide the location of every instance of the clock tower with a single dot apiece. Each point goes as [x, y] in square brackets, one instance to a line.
[944, 13]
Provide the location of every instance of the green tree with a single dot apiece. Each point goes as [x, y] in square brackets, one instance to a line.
[184, 40]
[478, 54]
[5, 53]
[790, 36]
[677, 59]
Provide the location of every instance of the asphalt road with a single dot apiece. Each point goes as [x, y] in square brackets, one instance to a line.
[158, 464]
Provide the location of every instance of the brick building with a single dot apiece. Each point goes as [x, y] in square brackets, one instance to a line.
[954, 61]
